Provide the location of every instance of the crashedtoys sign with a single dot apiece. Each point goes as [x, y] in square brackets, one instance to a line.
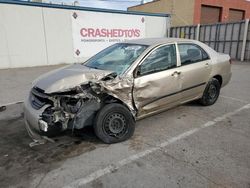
[94, 31]
[112, 33]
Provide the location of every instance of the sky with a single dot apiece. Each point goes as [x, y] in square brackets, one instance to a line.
[108, 4]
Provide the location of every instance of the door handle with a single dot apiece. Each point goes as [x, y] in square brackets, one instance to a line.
[176, 73]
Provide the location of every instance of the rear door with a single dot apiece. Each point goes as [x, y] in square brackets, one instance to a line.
[157, 83]
[195, 70]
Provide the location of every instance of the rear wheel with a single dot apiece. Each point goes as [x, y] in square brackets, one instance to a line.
[114, 123]
[211, 92]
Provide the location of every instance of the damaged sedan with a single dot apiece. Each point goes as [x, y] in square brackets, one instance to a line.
[123, 83]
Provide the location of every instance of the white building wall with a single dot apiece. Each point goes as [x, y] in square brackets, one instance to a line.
[37, 36]
[22, 36]
[59, 40]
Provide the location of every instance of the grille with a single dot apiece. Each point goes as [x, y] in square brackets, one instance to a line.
[38, 98]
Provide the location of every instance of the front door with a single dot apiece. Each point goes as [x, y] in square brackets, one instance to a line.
[157, 83]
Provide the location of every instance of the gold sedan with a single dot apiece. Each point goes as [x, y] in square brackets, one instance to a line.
[123, 83]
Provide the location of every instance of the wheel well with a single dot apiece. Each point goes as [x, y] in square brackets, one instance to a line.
[219, 78]
[110, 99]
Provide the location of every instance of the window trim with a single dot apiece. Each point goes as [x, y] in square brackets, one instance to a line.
[150, 52]
[198, 46]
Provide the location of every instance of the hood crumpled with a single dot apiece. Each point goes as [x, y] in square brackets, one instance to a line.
[66, 78]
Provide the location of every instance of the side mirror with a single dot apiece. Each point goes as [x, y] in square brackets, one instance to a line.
[137, 71]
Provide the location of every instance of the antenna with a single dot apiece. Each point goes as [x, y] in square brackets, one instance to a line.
[76, 3]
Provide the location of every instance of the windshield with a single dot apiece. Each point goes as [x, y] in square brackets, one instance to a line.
[117, 57]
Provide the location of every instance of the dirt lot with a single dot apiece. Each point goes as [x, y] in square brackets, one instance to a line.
[188, 146]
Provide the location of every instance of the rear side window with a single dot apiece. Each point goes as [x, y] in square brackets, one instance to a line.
[191, 53]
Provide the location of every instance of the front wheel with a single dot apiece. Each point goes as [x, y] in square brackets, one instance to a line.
[114, 123]
[211, 93]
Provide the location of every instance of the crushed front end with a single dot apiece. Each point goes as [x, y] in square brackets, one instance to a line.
[46, 115]
[70, 97]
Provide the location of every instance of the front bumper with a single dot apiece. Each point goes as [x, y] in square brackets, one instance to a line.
[31, 119]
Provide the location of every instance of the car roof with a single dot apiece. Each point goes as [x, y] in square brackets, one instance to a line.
[155, 41]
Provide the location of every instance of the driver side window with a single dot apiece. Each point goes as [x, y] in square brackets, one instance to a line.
[162, 58]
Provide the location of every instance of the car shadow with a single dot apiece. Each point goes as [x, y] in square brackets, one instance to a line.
[14, 141]
[17, 157]
[193, 104]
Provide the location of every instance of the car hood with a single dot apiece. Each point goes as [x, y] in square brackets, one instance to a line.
[68, 77]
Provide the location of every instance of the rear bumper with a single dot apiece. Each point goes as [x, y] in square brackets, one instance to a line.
[31, 119]
[226, 78]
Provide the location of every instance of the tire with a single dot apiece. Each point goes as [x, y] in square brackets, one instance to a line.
[114, 123]
[211, 93]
